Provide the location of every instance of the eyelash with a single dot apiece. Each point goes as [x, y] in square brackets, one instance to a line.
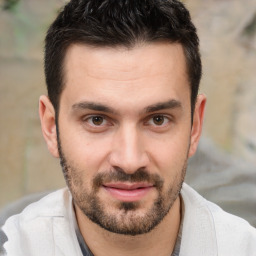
[87, 118]
[107, 121]
[166, 120]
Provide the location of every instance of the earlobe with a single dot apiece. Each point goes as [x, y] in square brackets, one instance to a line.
[197, 123]
[48, 126]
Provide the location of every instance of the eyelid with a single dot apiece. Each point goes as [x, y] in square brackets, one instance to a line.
[108, 121]
[166, 116]
[88, 117]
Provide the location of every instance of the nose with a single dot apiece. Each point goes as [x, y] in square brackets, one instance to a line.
[128, 150]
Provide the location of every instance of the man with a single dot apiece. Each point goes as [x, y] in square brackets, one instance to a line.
[123, 114]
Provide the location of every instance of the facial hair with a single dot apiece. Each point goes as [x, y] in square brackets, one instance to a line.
[126, 220]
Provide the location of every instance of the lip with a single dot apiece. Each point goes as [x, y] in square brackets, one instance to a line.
[127, 192]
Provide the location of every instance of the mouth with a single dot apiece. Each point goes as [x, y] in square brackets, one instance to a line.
[127, 192]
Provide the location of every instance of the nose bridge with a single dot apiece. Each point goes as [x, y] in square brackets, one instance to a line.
[129, 151]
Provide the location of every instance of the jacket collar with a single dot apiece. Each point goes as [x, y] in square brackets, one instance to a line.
[198, 233]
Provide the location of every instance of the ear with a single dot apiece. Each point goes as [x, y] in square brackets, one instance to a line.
[48, 126]
[197, 123]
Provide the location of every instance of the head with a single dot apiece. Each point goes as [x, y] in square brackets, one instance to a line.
[123, 113]
[119, 23]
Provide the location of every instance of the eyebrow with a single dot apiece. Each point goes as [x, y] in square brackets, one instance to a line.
[93, 106]
[170, 104]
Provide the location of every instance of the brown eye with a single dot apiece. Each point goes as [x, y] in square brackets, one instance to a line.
[158, 120]
[97, 123]
[97, 120]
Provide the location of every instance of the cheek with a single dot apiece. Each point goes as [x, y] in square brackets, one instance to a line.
[169, 155]
[87, 152]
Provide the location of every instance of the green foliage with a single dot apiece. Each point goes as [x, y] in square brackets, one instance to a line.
[10, 5]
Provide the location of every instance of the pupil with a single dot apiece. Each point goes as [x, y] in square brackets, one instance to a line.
[158, 120]
[97, 120]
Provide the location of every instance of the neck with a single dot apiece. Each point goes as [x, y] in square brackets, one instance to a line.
[160, 241]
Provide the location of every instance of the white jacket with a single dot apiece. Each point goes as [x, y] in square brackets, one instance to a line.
[46, 228]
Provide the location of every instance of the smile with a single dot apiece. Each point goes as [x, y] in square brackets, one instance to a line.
[128, 192]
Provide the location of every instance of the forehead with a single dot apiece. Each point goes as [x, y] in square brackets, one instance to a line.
[145, 71]
[155, 57]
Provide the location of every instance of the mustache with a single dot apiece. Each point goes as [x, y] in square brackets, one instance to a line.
[117, 174]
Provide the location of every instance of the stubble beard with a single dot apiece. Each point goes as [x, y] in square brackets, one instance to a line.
[126, 221]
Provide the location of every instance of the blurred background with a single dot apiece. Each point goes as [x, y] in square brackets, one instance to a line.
[227, 29]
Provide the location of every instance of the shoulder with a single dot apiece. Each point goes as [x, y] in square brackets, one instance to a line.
[53, 204]
[232, 235]
[50, 205]
[23, 229]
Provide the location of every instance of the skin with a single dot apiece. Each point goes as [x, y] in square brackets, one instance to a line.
[141, 100]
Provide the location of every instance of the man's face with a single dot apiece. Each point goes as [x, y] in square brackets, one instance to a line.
[125, 132]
